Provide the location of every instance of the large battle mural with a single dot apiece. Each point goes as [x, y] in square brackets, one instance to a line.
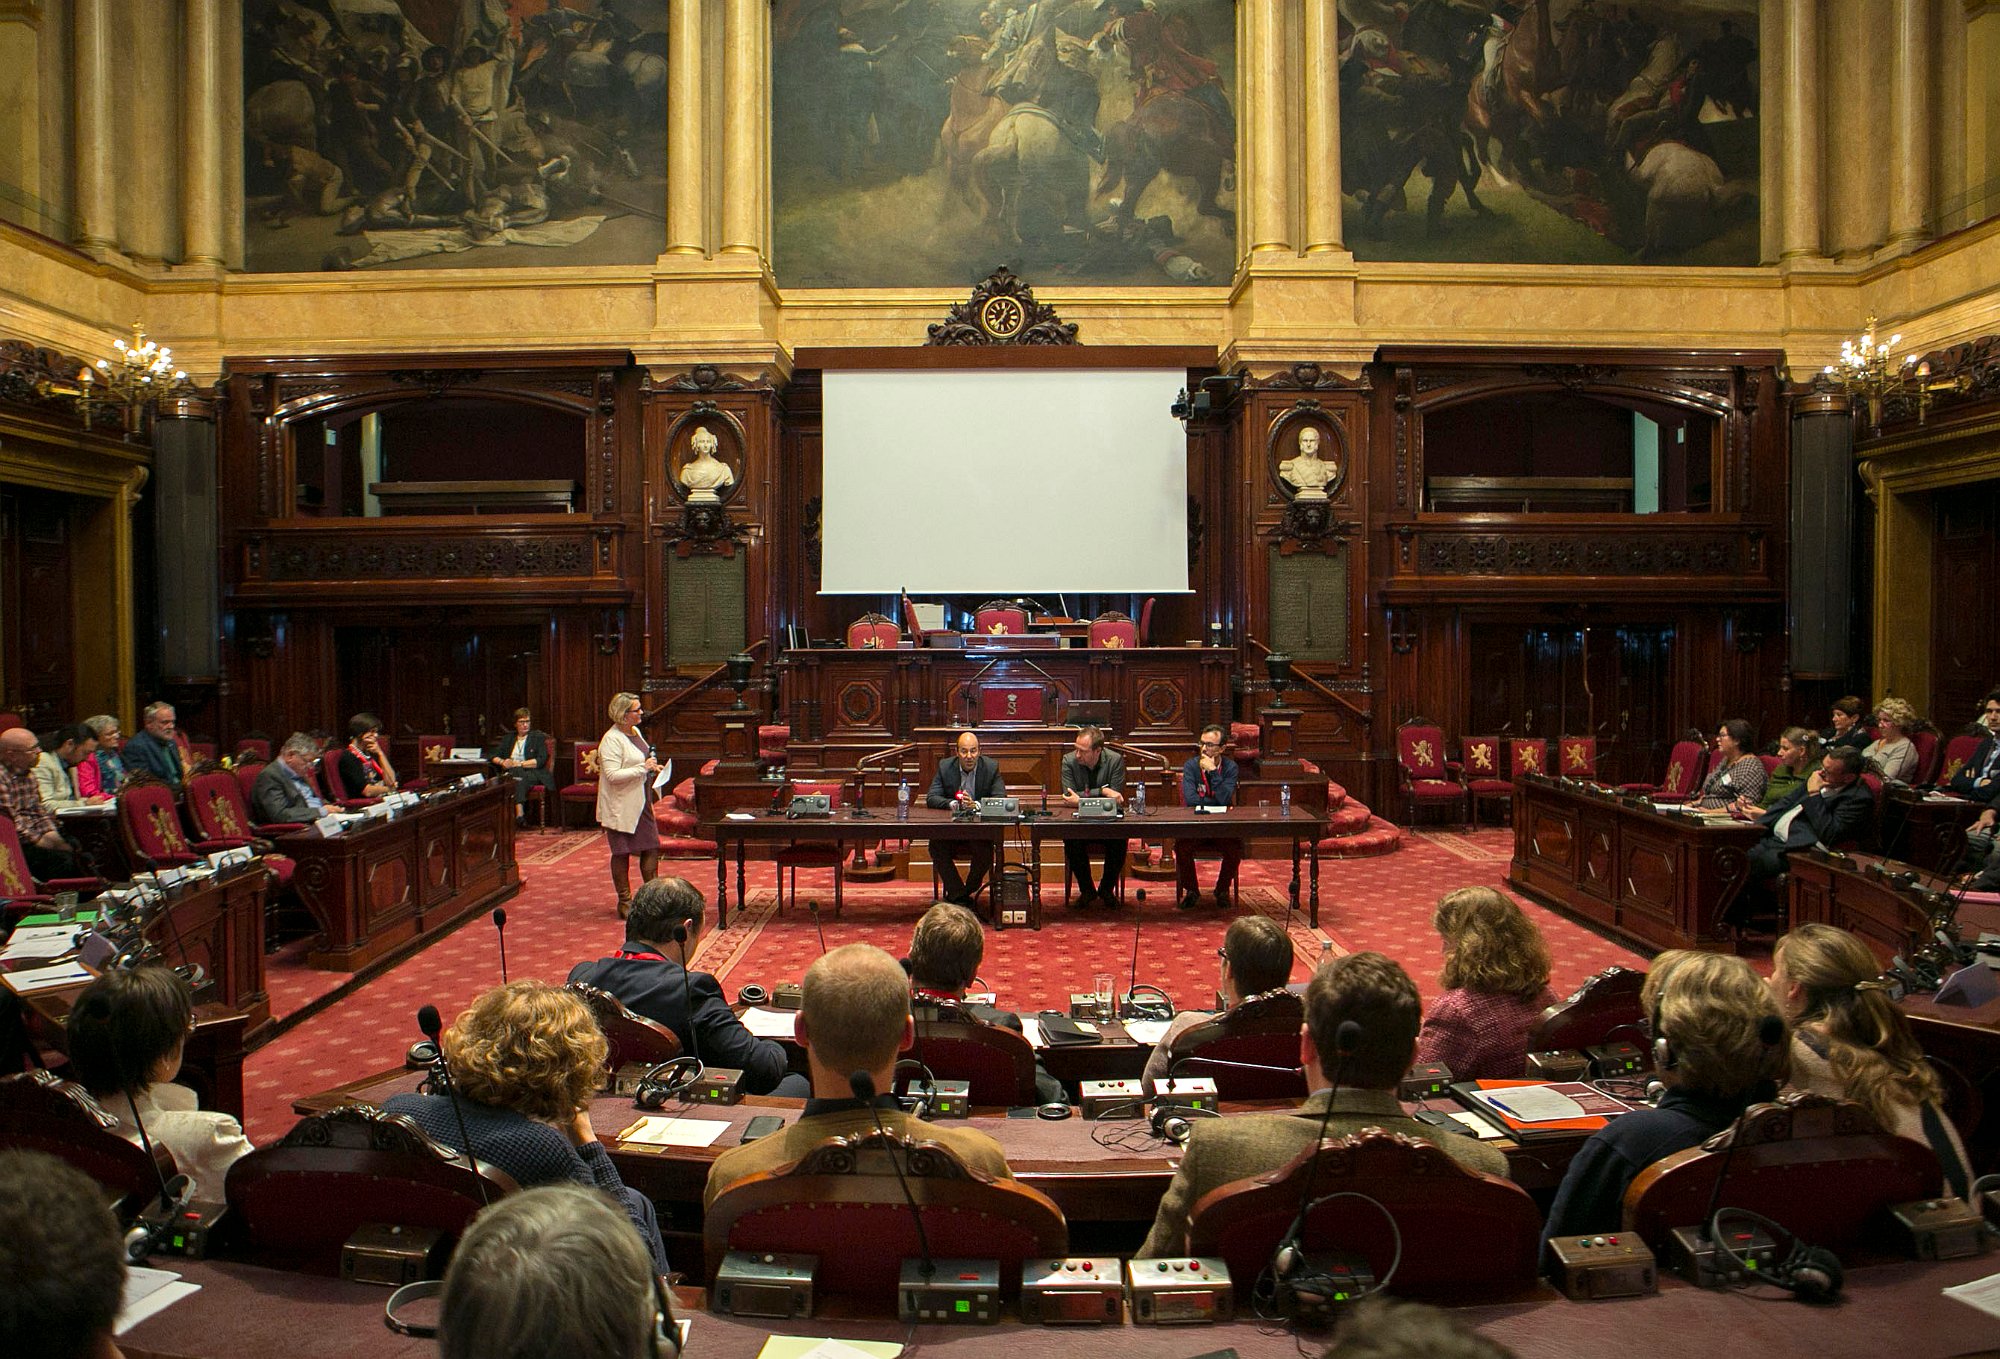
[448, 133]
[920, 143]
[1551, 131]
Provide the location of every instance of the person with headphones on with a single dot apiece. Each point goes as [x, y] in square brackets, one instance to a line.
[1719, 1046]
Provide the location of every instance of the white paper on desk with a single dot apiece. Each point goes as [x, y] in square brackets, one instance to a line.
[1981, 1293]
[42, 978]
[1147, 1032]
[1032, 1028]
[739, 816]
[41, 941]
[89, 809]
[148, 1291]
[1476, 1125]
[805, 1347]
[1533, 1103]
[768, 1023]
[674, 1132]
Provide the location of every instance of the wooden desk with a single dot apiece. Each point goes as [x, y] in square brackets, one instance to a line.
[100, 846]
[1657, 879]
[384, 889]
[1301, 828]
[1927, 832]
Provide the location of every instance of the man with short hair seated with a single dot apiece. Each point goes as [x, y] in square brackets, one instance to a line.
[62, 1260]
[282, 791]
[48, 853]
[1208, 779]
[63, 750]
[1376, 994]
[856, 1018]
[1256, 965]
[647, 977]
[945, 953]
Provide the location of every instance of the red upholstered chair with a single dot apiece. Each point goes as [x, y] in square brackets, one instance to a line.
[956, 1046]
[215, 802]
[842, 1202]
[1427, 779]
[997, 618]
[1246, 742]
[40, 1111]
[582, 787]
[910, 621]
[1604, 1008]
[331, 787]
[254, 746]
[1113, 629]
[1576, 757]
[1146, 622]
[150, 821]
[9, 721]
[1823, 1168]
[1527, 755]
[1460, 1232]
[1687, 764]
[796, 855]
[679, 836]
[185, 748]
[873, 632]
[246, 772]
[431, 751]
[773, 742]
[1482, 758]
[1264, 1032]
[1956, 752]
[632, 1036]
[298, 1200]
[1930, 755]
[25, 895]
[201, 752]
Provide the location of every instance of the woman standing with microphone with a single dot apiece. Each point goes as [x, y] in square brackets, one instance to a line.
[625, 766]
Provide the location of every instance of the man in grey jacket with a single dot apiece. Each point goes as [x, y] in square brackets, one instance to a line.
[1092, 770]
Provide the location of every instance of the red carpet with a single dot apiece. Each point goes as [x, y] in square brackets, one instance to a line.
[564, 913]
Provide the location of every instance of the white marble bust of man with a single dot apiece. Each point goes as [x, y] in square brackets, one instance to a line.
[1306, 472]
[704, 474]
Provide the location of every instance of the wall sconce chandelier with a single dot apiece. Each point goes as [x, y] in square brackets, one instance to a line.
[1868, 371]
[138, 376]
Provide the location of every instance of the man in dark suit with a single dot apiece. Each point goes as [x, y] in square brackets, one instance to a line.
[1092, 770]
[1208, 779]
[1830, 806]
[1978, 779]
[647, 976]
[526, 755]
[961, 782]
[945, 953]
[154, 749]
[283, 789]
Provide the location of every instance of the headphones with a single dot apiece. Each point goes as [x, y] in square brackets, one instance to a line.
[1173, 1122]
[917, 1105]
[1809, 1273]
[664, 1081]
[1664, 1056]
[753, 994]
[663, 1340]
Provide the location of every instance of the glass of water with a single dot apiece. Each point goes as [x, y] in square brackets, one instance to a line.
[1102, 985]
[66, 907]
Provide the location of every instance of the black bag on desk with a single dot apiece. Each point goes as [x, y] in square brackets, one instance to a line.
[1061, 1031]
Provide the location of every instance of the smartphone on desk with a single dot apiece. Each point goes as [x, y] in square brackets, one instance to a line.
[763, 1126]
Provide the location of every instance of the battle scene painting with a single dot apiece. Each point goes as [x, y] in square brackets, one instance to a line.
[1550, 131]
[453, 133]
[922, 143]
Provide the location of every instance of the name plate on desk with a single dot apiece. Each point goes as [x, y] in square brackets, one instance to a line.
[329, 826]
[472, 780]
[172, 877]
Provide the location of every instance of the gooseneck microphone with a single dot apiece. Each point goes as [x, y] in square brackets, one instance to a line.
[139, 1242]
[1196, 1060]
[1291, 1250]
[863, 1086]
[500, 924]
[433, 1027]
[812, 904]
[687, 1004]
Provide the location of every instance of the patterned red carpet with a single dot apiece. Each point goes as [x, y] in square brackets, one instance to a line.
[564, 914]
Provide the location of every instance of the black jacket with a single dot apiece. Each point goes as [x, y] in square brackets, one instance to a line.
[986, 781]
[537, 751]
[653, 986]
[273, 797]
[1828, 817]
[1966, 781]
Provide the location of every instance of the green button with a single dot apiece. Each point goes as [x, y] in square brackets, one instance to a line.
[964, 1306]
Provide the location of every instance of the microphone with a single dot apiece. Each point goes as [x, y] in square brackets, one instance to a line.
[139, 1242]
[1132, 972]
[863, 1086]
[812, 904]
[500, 924]
[1190, 1060]
[1291, 1251]
[433, 1027]
[687, 1003]
[1770, 1032]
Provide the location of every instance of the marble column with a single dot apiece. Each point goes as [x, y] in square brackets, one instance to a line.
[1265, 88]
[21, 108]
[745, 74]
[686, 214]
[96, 210]
[229, 98]
[203, 120]
[1909, 123]
[1320, 57]
[1804, 174]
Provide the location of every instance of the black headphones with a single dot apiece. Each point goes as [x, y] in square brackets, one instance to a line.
[665, 1080]
[1173, 1122]
[1810, 1273]
[663, 1340]
[917, 1105]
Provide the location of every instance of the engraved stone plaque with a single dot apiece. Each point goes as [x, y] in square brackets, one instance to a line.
[1309, 606]
[704, 609]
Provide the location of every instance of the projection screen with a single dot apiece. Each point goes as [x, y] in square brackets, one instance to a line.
[963, 481]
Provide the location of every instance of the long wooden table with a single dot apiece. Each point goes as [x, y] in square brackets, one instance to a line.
[1301, 827]
[1660, 879]
[382, 890]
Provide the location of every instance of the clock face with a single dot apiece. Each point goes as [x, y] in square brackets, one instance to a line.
[1002, 317]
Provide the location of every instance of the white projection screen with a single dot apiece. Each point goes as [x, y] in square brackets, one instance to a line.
[961, 481]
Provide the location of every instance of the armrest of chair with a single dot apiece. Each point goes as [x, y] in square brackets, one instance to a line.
[355, 804]
[281, 827]
[222, 843]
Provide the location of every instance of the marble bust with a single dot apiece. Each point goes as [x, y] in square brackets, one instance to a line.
[1306, 472]
[704, 474]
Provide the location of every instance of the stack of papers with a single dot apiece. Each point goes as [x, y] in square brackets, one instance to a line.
[148, 1291]
[768, 1023]
[46, 978]
[40, 941]
[674, 1132]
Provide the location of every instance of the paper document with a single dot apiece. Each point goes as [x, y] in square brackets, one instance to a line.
[40, 941]
[665, 778]
[739, 816]
[674, 1132]
[768, 1023]
[148, 1291]
[1031, 1027]
[43, 978]
[89, 809]
[1476, 1125]
[1534, 1104]
[805, 1347]
[1981, 1293]
[1147, 1032]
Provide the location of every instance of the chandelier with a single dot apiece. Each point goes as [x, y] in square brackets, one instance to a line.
[1867, 370]
[141, 374]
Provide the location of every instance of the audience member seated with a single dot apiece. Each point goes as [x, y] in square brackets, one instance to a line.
[530, 757]
[110, 772]
[526, 1059]
[1798, 751]
[63, 1260]
[1978, 779]
[365, 770]
[49, 855]
[645, 973]
[1389, 1328]
[1893, 754]
[1091, 770]
[1735, 773]
[1831, 806]
[1847, 728]
[553, 1271]
[64, 751]
[1256, 956]
[1379, 996]
[127, 1032]
[1978, 868]
[155, 750]
[1719, 1046]
[961, 781]
[1208, 779]
[283, 790]
[856, 1018]
[945, 952]
[1849, 1041]
[1496, 985]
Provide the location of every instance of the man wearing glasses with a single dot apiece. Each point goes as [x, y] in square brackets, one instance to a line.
[1093, 771]
[1207, 780]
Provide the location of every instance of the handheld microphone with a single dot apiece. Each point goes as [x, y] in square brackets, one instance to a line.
[500, 924]
[433, 1027]
[812, 904]
[1291, 1250]
[863, 1086]
[687, 1004]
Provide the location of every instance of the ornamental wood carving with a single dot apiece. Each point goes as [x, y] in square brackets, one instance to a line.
[338, 556]
[1002, 311]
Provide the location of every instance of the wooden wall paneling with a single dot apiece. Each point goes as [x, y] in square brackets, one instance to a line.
[1965, 641]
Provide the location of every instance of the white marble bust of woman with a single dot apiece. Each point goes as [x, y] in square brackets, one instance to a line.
[1306, 472]
[704, 474]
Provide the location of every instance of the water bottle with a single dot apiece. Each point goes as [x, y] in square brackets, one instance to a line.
[903, 800]
[1139, 801]
[1284, 799]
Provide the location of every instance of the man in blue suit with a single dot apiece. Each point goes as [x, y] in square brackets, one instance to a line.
[1832, 805]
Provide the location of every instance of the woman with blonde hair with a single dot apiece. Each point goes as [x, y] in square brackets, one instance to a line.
[1893, 754]
[526, 1059]
[1850, 1042]
[1496, 980]
[625, 766]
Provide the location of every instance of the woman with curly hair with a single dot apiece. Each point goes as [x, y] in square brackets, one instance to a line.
[1893, 754]
[1496, 980]
[1849, 1041]
[526, 1059]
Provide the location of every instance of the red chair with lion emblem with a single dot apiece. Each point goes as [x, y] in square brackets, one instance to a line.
[1114, 630]
[997, 618]
[1686, 766]
[873, 632]
[215, 803]
[24, 894]
[151, 824]
[1485, 775]
[583, 788]
[1428, 780]
[1576, 757]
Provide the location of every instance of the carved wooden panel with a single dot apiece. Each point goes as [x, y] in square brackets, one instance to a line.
[1309, 606]
[339, 556]
[705, 609]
